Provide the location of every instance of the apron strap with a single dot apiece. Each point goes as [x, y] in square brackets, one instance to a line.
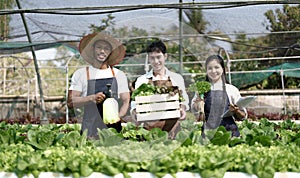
[87, 73]
[112, 71]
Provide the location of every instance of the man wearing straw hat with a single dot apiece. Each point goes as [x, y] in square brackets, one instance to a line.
[89, 84]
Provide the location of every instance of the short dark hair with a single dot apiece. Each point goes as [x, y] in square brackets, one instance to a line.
[157, 46]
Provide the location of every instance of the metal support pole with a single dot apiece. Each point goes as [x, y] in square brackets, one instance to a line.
[67, 88]
[180, 39]
[44, 119]
[4, 79]
[228, 66]
[283, 91]
[146, 64]
[228, 62]
[67, 92]
[28, 95]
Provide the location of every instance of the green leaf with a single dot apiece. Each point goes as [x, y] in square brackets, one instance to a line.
[157, 134]
[215, 173]
[109, 169]
[236, 141]
[76, 175]
[73, 165]
[4, 137]
[264, 140]
[82, 141]
[201, 87]
[184, 138]
[22, 165]
[221, 137]
[107, 137]
[248, 168]
[41, 139]
[85, 170]
[143, 90]
[58, 137]
[74, 139]
[35, 173]
[61, 165]
[71, 139]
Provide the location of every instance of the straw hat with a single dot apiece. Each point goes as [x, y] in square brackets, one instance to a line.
[87, 52]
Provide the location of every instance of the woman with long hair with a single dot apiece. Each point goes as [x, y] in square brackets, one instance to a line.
[222, 97]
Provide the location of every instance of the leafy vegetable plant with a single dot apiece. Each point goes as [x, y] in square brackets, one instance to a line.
[263, 149]
[201, 87]
[147, 89]
[42, 139]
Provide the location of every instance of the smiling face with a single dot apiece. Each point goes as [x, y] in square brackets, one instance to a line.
[157, 60]
[214, 71]
[102, 50]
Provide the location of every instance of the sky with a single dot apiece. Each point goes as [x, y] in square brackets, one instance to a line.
[247, 19]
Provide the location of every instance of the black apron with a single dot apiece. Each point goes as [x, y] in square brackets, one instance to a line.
[93, 113]
[216, 103]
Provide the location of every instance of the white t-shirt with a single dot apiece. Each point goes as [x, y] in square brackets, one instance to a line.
[79, 79]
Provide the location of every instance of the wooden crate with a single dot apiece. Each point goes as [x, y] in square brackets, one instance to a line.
[156, 107]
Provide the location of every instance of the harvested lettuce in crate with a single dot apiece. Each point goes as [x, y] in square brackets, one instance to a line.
[147, 89]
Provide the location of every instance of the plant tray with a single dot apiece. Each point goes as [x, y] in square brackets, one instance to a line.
[156, 107]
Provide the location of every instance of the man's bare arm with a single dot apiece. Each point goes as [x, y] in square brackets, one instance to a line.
[125, 97]
[76, 100]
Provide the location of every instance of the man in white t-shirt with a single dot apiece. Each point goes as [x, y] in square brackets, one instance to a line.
[157, 55]
[89, 84]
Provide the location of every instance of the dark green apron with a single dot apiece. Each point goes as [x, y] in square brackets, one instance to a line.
[93, 113]
[216, 103]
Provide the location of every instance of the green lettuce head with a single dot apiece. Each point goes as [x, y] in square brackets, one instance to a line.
[201, 87]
